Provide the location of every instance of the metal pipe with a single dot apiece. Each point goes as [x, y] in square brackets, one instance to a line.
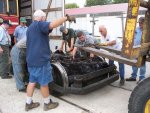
[17, 8]
[7, 5]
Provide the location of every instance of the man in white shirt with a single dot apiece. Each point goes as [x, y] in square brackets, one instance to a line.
[111, 41]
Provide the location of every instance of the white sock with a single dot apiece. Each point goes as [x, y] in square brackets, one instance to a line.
[47, 100]
[28, 100]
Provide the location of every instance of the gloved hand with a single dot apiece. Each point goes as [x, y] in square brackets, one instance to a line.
[71, 18]
[103, 44]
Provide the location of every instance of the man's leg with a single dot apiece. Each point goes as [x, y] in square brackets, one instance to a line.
[121, 71]
[4, 63]
[142, 72]
[48, 103]
[45, 91]
[19, 75]
[30, 88]
[134, 72]
[44, 80]
[29, 103]
[133, 75]
[18, 68]
[111, 62]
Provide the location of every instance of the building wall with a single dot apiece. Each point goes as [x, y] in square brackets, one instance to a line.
[114, 24]
[51, 15]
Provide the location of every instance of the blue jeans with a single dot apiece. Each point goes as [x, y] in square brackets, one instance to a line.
[18, 58]
[121, 68]
[142, 71]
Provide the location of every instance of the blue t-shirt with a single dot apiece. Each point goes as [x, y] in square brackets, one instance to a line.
[20, 32]
[138, 36]
[38, 50]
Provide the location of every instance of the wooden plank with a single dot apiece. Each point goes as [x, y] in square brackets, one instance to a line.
[52, 9]
[48, 7]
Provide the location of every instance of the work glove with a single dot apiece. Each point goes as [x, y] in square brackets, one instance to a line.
[102, 44]
[71, 18]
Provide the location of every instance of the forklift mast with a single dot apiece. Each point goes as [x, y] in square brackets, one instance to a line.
[130, 54]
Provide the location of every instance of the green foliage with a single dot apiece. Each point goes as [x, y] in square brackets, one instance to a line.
[119, 1]
[97, 2]
[71, 6]
[103, 2]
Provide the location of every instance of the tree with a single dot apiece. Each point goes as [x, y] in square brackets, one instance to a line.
[71, 6]
[97, 2]
[119, 1]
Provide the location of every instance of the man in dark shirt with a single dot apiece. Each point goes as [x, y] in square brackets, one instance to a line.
[69, 36]
[38, 58]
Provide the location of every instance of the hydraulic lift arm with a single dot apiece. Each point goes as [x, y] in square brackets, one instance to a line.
[130, 54]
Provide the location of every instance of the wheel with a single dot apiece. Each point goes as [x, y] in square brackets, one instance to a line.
[139, 101]
[60, 79]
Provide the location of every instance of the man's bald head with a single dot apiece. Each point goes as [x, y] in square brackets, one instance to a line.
[103, 30]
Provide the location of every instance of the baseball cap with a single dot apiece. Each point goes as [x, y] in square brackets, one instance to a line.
[8, 22]
[141, 20]
[62, 29]
[23, 20]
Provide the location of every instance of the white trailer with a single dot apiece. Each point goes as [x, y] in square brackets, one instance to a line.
[53, 8]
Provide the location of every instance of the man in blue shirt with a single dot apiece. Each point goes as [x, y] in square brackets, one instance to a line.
[20, 31]
[5, 42]
[137, 41]
[38, 58]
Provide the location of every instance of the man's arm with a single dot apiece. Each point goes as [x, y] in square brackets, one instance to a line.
[15, 34]
[1, 50]
[72, 44]
[111, 43]
[62, 44]
[60, 21]
[74, 52]
[15, 40]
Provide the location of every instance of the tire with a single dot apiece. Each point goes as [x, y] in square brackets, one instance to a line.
[139, 100]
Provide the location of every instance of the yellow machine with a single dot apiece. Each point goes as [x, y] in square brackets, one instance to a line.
[139, 101]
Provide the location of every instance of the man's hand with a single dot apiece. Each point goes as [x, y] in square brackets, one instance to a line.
[60, 49]
[70, 49]
[1, 50]
[73, 57]
[102, 44]
[71, 18]
[91, 55]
